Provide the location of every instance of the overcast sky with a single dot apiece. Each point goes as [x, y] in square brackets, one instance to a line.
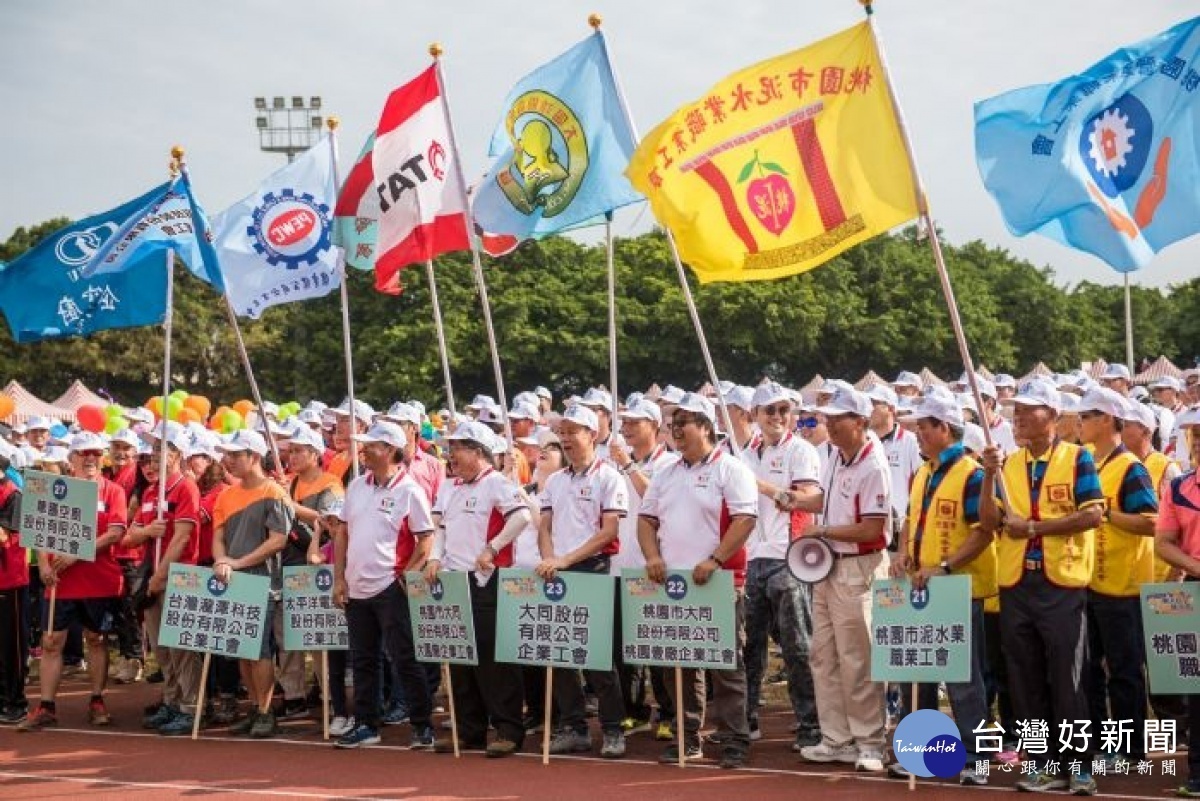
[95, 93]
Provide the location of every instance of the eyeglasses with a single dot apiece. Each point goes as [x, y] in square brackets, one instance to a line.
[681, 420]
[807, 422]
[783, 410]
[1088, 415]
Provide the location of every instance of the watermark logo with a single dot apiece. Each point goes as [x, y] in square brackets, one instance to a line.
[927, 744]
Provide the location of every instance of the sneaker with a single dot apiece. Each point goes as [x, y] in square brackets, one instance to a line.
[824, 752]
[445, 745]
[732, 757]
[130, 671]
[501, 747]
[294, 709]
[670, 754]
[246, 724]
[224, 710]
[613, 746]
[532, 724]
[971, 778]
[1040, 782]
[264, 727]
[569, 741]
[38, 719]
[395, 716]
[160, 717]
[98, 713]
[422, 738]
[664, 732]
[634, 726]
[1189, 790]
[360, 735]
[1082, 784]
[13, 715]
[755, 731]
[341, 725]
[804, 739]
[181, 724]
[869, 760]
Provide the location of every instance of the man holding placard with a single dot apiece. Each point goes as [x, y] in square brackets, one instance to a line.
[86, 592]
[479, 514]
[700, 511]
[14, 602]
[582, 507]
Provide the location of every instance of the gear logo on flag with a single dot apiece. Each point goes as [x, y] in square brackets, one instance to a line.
[290, 229]
[1115, 144]
[550, 154]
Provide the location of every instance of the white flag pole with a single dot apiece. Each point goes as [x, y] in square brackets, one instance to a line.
[441, 337]
[595, 20]
[1128, 327]
[332, 123]
[161, 507]
[435, 50]
[612, 320]
[245, 357]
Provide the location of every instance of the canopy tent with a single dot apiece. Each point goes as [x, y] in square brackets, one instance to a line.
[930, 379]
[1040, 370]
[1162, 368]
[28, 405]
[79, 395]
[869, 380]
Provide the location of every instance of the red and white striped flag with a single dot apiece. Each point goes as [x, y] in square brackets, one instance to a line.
[422, 210]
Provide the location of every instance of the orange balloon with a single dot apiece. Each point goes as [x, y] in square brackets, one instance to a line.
[199, 404]
[155, 405]
[6, 406]
[187, 415]
[243, 407]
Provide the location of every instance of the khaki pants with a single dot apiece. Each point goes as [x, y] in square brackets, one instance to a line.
[849, 705]
[291, 663]
[180, 667]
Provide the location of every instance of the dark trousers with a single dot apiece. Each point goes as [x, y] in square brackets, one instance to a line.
[490, 691]
[776, 599]
[660, 678]
[995, 676]
[1193, 702]
[224, 676]
[1116, 683]
[383, 621]
[1043, 629]
[14, 648]
[630, 678]
[129, 633]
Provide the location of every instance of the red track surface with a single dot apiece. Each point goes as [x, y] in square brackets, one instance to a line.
[123, 762]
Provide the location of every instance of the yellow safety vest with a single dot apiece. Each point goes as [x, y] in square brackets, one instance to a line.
[1157, 463]
[1066, 559]
[1124, 561]
[946, 528]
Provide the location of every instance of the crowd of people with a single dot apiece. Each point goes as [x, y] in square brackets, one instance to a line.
[1059, 498]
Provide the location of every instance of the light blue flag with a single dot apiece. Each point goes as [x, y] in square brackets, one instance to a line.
[1107, 161]
[275, 244]
[560, 150]
[44, 295]
[170, 218]
[356, 216]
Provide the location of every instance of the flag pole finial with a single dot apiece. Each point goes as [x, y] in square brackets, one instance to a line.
[177, 153]
[332, 123]
[595, 20]
[435, 50]
[866, 4]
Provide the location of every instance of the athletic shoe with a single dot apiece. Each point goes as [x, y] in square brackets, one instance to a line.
[160, 717]
[664, 732]
[613, 746]
[804, 739]
[824, 752]
[532, 724]
[264, 727]
[869, 760]
[38, 719]
[569, 741]
[246, 724]
[179, 725]
[445, 745]
[395, 716]
[224, 710]
[422, 738]
[634, 726]
[98, 713]
[341, 725]
[294, 709]
[1040, 782]
[129, 671]
[1082, 784]
[732, 757]
[670, 754]
[13, 715]
[500, 748]
[360, 735]
[755, 731]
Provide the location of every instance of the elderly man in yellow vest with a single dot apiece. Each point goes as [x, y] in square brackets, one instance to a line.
[1124, 561]
[1045, 509]
[943, 537]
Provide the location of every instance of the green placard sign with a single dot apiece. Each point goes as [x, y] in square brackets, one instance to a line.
[678, 622]
[311, 621]
[58, 515]
[1171, 622]
[203, 613]
[440, 612]
[921, 635]
[565, 622]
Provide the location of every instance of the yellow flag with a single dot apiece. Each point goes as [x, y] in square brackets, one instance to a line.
[782, 166]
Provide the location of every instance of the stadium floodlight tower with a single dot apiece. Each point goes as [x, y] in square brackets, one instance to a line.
[288, 128]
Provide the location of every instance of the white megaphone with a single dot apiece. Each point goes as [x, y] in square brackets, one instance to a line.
[810, 559]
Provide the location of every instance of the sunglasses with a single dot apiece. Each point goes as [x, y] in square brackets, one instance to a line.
[782, 409]
[681, 420]
[1090, 414]
[807, 422]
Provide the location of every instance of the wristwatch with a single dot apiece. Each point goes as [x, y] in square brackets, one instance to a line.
[945, 566]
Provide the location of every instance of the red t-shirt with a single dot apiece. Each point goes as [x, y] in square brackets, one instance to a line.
[14, 560]
[126, 479]
[183, 506]
[102, 578]
[204, 532]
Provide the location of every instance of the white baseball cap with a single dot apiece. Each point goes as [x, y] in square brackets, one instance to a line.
[126, 436]
[672, 394]
[1103, 400]
[770, 392]
[1115, 371]
[491, 413]
[1191, 417]
[307, 437]
[38, 422]
[581, 415]
[882, 393]
[847, 401]
[939, 391]
[177, 435]
[55, 454]
[1038, 392]
[362, 411]
[1068, 403]
[642, 409]
[472, 431]
[479, 401]
[1005, 380]
[741, 397]
[309, 417]
[87, 441]
[938, 408]
[542, 392]
[973, 439]
[402, 412]
[385, 432]
[597, 399]
[832, 385]
[244, 440]
[908, 379]
[523, 410]
[1141, 413]
[1167, 382]
[202, 444]
[695, 402]
[528, 398]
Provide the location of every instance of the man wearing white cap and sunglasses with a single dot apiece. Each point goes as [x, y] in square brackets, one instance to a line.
[856, 522]
[1045, 515]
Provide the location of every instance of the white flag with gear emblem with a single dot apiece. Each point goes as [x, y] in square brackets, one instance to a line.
[274, 244]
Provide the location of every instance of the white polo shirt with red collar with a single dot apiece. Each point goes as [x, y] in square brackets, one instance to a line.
[579, 500]
[473, 513]
[1002, 435]
[904, 459]
[694, 505]
[382, 522]
[858, 489]
[631, 555]
[789, 464]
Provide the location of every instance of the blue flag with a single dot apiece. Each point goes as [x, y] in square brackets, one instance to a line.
[1106, 161]
[168, 218]
[560, 149]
